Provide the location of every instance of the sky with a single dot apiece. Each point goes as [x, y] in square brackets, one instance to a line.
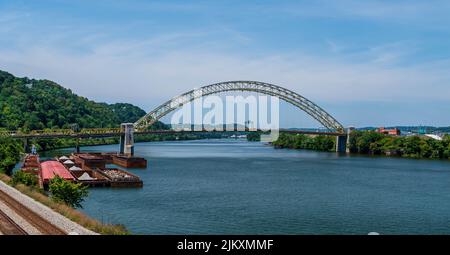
[367, 63]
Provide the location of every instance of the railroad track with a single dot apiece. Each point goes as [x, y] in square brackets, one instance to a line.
[42, 225]
[9, 227]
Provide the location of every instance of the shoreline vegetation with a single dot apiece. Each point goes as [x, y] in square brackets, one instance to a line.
[370, 143]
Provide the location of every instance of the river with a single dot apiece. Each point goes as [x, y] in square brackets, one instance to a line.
[239, 187]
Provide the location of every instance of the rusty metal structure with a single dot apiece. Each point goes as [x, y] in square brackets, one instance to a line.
[287, 95]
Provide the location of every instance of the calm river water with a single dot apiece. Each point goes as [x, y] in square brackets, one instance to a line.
[240, 187]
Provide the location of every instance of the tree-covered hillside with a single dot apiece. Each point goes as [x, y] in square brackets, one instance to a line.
[31, 104]
[127, 112]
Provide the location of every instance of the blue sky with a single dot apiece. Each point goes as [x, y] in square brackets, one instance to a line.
[368, 63]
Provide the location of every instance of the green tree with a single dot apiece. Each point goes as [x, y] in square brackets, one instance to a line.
[10, 151]
[70, 193]
[411, 146]
[364, 141]
[30, 104]
[24, 178]
[301, 141]
[254, 137]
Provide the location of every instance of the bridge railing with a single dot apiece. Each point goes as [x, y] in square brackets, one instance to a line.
[108, 131]
[34, 132]
[99, 131]
[44, 132]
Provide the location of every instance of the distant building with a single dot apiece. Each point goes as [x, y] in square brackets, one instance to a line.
[433, 136]
[394, 131]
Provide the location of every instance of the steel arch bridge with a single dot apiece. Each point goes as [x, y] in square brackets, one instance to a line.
[287, 95]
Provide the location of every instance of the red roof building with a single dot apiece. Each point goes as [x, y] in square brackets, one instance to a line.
[50, 169]
[394, 131]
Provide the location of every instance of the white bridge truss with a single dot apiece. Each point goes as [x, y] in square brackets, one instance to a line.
[287, 95]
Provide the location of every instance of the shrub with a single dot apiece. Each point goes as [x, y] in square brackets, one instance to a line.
[72, 194]
[24, 178]
[9, 154]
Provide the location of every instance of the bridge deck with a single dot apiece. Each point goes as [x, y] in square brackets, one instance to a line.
[117, 133]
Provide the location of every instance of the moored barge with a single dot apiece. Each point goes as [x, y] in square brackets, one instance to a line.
[129, 161]
[120, 178]
[91, 178]
[31, 164]
[52, 168]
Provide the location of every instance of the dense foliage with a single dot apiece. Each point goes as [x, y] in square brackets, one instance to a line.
[10, 151]
[30, 104]
[369, 142]
[127, 112]
[70, 193]
[254, 137]
[24, 178]
[300, 141]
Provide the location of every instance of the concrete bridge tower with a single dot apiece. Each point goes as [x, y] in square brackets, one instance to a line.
[127, 139]
[342, 141]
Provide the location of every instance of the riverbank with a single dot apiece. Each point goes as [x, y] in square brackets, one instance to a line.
[373, 143]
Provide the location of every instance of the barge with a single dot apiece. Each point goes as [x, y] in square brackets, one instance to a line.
[52, 168]
[31, 164]
[91, 169]
[129, 161]
[107, 156]
[120, 178]
[91, 178]
[89, 160]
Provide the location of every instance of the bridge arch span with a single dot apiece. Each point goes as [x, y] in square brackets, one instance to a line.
[287, 95]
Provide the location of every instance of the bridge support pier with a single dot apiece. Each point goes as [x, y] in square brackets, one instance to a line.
[341, 143]
[122, 144]
[77, 146]
[127, 139]
[26, 147]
